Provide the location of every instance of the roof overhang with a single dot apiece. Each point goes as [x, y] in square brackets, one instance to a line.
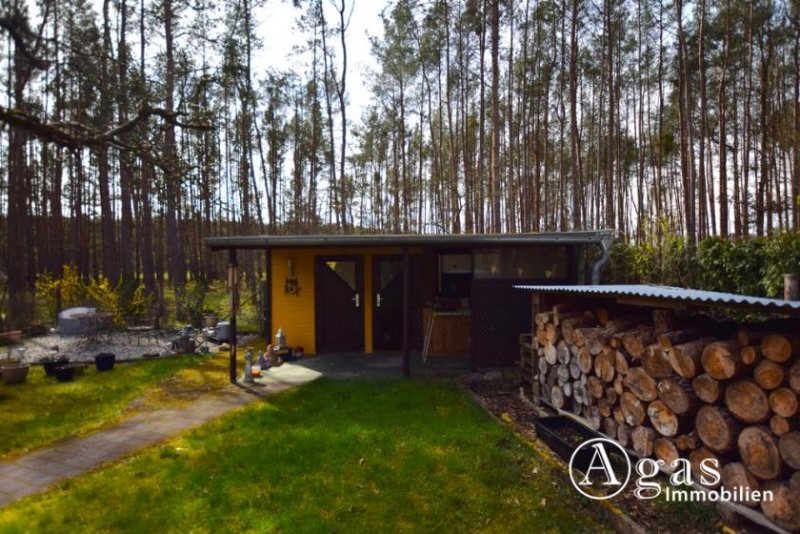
[407, 240]
[672, 297]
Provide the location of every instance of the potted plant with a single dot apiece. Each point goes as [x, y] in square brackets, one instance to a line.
[105, 361]
[15, 373]
[51, 362]
[14, 370]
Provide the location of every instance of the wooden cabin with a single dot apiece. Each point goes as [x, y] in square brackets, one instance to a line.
[437, 294]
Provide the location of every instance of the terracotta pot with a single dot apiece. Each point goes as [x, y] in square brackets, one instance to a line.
[14, 336]
[15, 374]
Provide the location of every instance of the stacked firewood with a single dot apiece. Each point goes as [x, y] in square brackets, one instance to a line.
[668, 390]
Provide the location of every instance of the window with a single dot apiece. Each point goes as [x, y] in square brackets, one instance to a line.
[455, 275]
[529, 263]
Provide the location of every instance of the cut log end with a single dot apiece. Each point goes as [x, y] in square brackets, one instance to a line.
[735, 475]
[716, 428]
[747, 401]
[758, 450]
[784, 507]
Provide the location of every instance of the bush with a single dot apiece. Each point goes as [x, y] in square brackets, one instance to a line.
[662, 258]
[782, 255]
[749, 266]
[190, 300]
[59, 293]
[105, 296]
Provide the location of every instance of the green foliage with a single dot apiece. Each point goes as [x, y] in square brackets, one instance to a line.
[190, 300]
[64, 292]
[782, 255]
[137, 304]
[68, 291]
[749, 266]
[731, 266]
[661, 258]
[105, 296]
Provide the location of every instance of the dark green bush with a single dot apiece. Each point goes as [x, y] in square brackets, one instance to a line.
[749, 266]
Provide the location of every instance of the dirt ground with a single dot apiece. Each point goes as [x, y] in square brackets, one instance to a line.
[504, 397]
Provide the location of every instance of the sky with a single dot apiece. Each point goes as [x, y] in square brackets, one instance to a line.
[276, 25]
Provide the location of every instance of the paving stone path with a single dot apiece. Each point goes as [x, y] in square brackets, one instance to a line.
[71, 457]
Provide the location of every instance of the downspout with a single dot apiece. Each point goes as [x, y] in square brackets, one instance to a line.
[597, 268]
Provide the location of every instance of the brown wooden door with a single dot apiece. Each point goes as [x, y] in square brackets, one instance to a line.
[339, 304]
[387, 303]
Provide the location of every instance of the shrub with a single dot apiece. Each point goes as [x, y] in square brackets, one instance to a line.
[64, 292]
[782, 255]
[190, 300]
[105, 296]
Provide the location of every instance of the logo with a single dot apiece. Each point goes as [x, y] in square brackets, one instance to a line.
[600, 472]
[600, 469]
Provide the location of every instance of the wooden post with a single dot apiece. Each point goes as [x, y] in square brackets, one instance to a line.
[406, 302]
[233, 287]
[791, 287]
[267, 311]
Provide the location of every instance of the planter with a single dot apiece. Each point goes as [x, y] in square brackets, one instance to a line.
[50, 367]
[65, 373]
[13, 337]
[183, 345]
[105, 361]
[210, 320]
[15, 374]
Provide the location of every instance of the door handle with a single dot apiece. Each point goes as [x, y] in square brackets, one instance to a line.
[378, 300]
[357, 300]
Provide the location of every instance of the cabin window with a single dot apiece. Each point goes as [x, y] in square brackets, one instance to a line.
[455, 272]
[529, 263]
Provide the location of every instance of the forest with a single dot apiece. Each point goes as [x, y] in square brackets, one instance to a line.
[133, 129]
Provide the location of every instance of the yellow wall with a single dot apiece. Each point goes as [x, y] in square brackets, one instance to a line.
[295, 313]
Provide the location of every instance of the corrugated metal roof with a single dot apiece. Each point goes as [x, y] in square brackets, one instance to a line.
[673, 294]
[409, 240]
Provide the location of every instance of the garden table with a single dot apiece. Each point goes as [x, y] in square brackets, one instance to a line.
[96, 325]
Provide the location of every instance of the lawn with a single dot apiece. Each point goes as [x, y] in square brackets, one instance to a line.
[42, 410]
[347, 456]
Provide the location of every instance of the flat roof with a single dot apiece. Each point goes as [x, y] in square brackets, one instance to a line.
[672, 295]
[406, 240]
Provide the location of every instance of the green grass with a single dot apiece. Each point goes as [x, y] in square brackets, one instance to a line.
[344, 456]
[42, 410]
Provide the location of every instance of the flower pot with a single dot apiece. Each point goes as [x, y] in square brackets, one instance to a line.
[65, 373]
[50, 367]
[210, 320]
[105, 361]
[15, 374]
[13, 337]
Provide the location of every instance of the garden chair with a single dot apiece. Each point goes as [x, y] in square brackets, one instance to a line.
[146, 326]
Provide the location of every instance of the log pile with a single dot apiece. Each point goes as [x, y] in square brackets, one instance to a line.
[669, 392]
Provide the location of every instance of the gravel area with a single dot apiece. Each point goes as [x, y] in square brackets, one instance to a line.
[80, 349]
